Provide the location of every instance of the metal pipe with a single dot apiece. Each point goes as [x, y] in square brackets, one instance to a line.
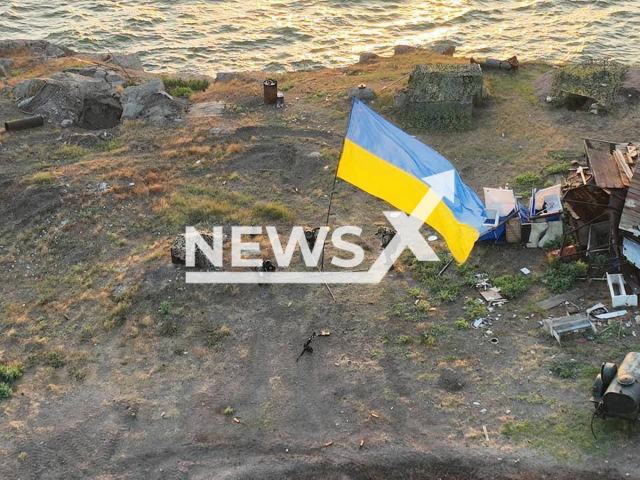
[24, 123]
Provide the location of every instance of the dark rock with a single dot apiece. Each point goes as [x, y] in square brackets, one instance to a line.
[442, 47]
[402, 49]
[5, 67]
[368, 57]
[630, 87]
[225, 77]
[362, 93]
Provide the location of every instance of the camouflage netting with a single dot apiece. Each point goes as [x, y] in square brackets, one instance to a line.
[593, 80]
[441, 96]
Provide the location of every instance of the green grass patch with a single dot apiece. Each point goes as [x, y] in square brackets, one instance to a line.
[40, 178]
[574, 370]
[446, 287]
[213, 336]
[286, 87]
[432, 334]
[272, 212]
[111, 145]
[69, 152]
[198, 203]
[567, 436]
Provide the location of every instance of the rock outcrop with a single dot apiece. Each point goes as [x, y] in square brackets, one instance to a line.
[91, 98]
[129, 61]
[368, 57]
[150, 102]
[40, 48]
[89, 102]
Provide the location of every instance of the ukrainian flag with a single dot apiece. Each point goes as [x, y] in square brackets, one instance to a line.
[390, 164]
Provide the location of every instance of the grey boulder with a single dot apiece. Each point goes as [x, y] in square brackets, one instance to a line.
[150, 102]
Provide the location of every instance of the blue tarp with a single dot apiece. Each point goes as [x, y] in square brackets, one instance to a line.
[498, 234]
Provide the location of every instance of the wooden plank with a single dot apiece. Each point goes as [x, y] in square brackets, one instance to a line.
[603, 165]
[556, 300]
[622, 163]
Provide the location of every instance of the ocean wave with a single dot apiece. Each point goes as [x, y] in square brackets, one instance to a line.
[216, 35]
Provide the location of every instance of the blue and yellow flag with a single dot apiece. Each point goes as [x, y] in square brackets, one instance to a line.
[390, 164]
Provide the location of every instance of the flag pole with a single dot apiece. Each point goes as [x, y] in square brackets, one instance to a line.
[333, 190]
[333, 187]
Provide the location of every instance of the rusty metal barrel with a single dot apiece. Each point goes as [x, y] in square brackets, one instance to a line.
[24, 123]
[270, 91]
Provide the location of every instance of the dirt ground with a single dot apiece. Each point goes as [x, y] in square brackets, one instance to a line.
[131, 373]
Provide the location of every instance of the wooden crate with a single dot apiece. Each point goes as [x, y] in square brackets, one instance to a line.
[513, 230]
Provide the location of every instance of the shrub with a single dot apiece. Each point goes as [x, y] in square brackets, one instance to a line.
[415, 292]
[445, 288]
[474, 308]
[213, 336]
[423, 306]
[184, 92]
[55, 359]
[184, 87]
[527, 180]
[228, 411]
[113, 144]
[560, 277]
[566, 370]
[512, 286]
[462, 324]
[557, 168]
[5, 390]
[430, 336]
[10, 373]
[165, 308]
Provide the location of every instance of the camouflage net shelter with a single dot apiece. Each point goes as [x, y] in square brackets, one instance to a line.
[577, 83]
[440, 96]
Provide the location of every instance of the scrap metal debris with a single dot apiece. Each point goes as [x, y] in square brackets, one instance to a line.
[307, 346]
[571, 323]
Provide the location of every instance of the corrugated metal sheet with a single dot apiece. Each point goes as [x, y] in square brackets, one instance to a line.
[630, 220]
[603, 165]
